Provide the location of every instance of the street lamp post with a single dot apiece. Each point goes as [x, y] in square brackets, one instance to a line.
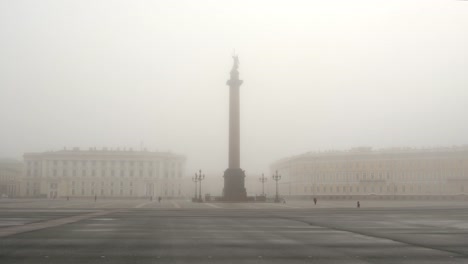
[199, 178]
[263, 180]
[195, 180]
[276, 177]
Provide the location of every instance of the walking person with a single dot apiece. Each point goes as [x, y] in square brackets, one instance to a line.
[315, 201]
[358, 204]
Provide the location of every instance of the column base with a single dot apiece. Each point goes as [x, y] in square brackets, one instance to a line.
[234, 185]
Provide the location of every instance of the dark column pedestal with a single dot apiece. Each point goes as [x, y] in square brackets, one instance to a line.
[234, 189]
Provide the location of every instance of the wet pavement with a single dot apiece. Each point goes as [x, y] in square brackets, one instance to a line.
[182, 232]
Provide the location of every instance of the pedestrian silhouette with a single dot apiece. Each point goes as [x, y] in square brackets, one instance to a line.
[159, 199]
[358, 204]
[315, 201]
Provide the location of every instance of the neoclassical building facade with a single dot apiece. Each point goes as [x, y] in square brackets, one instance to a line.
[10, 177]
[103, 173]
[387, 173]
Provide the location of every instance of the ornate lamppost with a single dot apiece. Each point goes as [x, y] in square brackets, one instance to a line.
[195, 180]
[263, 180]
[276, 177]
[199, 178]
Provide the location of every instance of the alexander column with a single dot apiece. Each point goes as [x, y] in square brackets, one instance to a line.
[234, 188]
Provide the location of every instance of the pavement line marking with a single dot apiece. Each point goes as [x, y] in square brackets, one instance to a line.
[8, 231]
[212, 205]
[143, 204]
[68, 205]
[176, 205]
[251, 206]
[283, 205]
[102, 205]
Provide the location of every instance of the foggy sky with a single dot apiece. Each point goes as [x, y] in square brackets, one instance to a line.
[318, 75]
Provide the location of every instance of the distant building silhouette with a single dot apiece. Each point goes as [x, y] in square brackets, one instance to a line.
[387, 174]
[10, 177]
[105, 173]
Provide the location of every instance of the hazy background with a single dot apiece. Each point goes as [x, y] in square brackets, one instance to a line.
[318, 75]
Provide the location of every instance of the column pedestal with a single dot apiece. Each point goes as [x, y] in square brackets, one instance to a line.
[234, 189]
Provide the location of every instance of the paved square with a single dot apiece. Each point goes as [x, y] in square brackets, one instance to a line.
[178, 231]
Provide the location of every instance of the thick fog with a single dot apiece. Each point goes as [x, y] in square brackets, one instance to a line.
[318, 75]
